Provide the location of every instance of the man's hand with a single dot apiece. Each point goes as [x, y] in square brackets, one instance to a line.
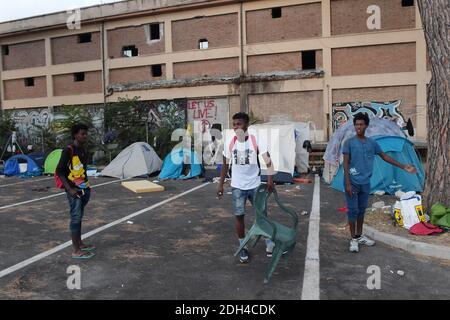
[409, 168]
[74, 193]
[348, 189]
[220, 191]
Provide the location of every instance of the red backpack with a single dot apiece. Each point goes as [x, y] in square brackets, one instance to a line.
[58, 182]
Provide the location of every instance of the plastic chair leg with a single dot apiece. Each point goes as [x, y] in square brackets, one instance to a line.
[277, 253]
[244, 243]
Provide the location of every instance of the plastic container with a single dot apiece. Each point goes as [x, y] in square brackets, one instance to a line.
[23, 167]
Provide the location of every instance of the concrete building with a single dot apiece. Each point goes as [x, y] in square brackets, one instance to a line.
[307, 59]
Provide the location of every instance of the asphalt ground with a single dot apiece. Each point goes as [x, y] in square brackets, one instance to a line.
[180, 245]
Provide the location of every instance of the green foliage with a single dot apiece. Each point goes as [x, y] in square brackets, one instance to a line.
[7, 126]
[68, 116]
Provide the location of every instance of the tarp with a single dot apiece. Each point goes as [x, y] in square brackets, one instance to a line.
[333, 153]
[12, 166]
[387, 177]
[136, 160]
[178, 161]
[440, 215]
[38, 158]
[51, 162]
[280, 140]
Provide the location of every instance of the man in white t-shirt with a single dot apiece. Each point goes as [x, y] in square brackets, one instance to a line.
[241, 151]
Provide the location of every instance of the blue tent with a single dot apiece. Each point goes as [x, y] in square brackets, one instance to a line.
[387, 177]
[12, 167]
[176, 161]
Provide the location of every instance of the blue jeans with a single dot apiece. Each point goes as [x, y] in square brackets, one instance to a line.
[240, 198]
[357, 204]
[77, 206]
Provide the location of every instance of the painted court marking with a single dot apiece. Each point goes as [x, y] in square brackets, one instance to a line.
[26, 181]
[47, 253]
[56, 195]
[311, 276]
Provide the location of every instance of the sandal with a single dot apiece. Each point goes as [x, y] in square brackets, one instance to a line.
[88, 247]
[84, 255]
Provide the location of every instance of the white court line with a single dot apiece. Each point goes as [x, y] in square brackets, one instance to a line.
[55, 195]
[20, 182]
[47, 253]
[311, 276]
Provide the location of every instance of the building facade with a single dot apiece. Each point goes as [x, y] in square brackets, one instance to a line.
[306, 60]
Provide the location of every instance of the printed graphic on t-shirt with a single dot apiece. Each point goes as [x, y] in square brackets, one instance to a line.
[353, 171]
[77, 173]
[242, 157]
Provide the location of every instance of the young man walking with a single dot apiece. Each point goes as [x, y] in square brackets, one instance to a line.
[359, 153]
[242, 153]
[71, 170]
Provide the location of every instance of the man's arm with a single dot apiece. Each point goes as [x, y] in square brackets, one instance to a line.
[407, 167]
[62, 171]
[348, 185]
[223, 174]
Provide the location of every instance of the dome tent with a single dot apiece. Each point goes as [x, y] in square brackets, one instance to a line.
[386, 177]
[51, 162]
[136, 160]
[13, 168]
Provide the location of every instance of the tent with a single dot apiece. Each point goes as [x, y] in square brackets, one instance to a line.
[38, 158]
[51, 162]
[136, 160]
[333, 155]
[15, 166]
[387, 177]
[181, 163]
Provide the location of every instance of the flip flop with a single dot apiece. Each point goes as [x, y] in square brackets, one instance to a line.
[88, 248]
[84, 256]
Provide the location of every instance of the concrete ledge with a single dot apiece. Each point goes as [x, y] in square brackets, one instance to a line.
[415, 247]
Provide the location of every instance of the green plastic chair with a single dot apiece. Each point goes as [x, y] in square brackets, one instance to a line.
[283, 236]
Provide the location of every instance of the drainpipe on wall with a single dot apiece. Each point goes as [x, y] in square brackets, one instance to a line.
[242, 86]
[103, 64]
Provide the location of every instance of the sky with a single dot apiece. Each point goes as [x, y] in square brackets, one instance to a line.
[18, 9]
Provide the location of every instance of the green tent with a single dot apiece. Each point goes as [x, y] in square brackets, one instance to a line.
[52, 161]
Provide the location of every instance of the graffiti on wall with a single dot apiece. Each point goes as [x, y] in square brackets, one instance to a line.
[28, 121]
[205, 113]
[343, 112]
[165, 113]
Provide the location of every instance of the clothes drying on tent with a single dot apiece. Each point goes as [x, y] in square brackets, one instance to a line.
[138, 159]
[389, 178]
[181, 164]
[21, 164]
[38, 158]
[51, 162]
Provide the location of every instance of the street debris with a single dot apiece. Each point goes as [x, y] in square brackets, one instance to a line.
[304, 213]
[130, 222]
[400, 273]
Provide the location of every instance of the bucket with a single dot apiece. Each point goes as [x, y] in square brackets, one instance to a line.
[23, 167]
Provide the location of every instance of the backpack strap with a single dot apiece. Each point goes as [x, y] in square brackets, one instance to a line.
[71, 155]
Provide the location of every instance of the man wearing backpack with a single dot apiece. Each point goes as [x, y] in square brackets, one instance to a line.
[71, 172]
[242, 153]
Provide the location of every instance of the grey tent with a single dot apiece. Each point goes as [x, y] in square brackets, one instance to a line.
[136, 160]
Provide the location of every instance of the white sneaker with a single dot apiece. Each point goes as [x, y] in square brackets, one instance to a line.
[364, 240]
[354, 247]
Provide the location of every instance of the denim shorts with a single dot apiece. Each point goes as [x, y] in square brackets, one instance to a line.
[77, 206]
[240, 198]
[357, 204]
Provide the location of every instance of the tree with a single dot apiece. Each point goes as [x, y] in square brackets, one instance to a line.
[435, 16]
